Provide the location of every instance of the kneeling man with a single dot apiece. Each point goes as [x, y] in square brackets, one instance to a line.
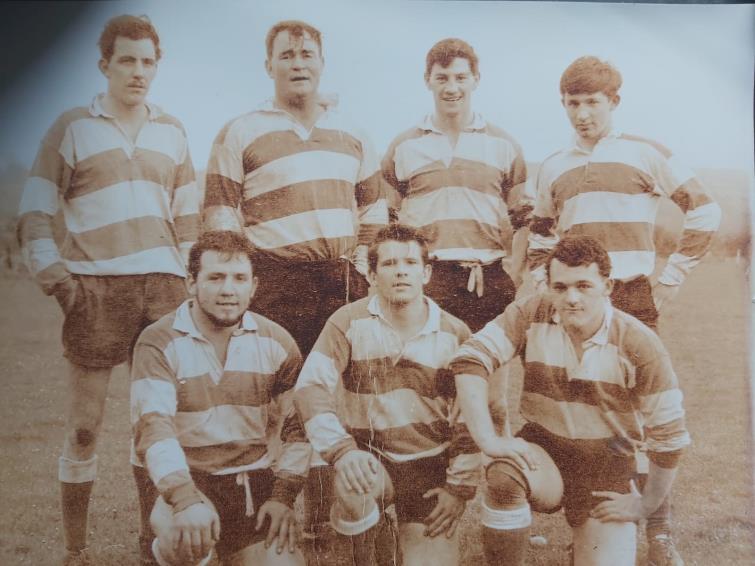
[392, 436]
[211, 388]
[598, 384]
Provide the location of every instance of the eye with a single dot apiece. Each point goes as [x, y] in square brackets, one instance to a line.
[584, 286]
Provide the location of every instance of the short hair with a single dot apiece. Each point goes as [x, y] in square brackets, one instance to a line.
[132, 27]
[446, 50]
[296, 29]
[396, 233]
[576, 251]
[589, 74]
[224, 242]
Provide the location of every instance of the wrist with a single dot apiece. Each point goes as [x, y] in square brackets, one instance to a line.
[182, 496]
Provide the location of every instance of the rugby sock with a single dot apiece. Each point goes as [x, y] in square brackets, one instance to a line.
[659, 522]
[76, 481]
[75, 506]
[360, 535]
[505, 547]
[505, 534]
[148, 494]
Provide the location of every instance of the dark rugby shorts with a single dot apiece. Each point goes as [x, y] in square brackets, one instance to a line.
[108, 312]
[236, 529]
[585, 466]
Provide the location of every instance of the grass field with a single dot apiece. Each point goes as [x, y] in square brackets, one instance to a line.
[706, 329]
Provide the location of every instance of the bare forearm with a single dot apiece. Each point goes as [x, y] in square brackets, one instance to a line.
[472, 394]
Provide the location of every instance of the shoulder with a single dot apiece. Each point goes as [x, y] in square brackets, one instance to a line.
[160, 333]
[412, 133]
[270, 329]
[498, 132]
[170, 120]
[648, 143]
[252, 121]
[453, 325]
[58, 129]
[636, 341]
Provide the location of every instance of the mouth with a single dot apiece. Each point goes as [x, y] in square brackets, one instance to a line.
[401, 285]
[451, 98]
[299, 79]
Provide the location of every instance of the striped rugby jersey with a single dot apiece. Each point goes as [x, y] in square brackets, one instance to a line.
[623, 389]
[130, 208]
[612, 193]
[394, 395]
[457, 195]
[189, 412]
[302, 195]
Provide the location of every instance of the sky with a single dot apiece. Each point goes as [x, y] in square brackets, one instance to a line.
[687, 69]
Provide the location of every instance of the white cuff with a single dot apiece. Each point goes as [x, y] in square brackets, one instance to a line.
[505, 519]
[351, 528]
[74, 471]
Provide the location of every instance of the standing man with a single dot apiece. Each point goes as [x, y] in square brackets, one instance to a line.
[307, 188]
[459, 179]
[121, 173]
[212, 384]
[597, 384]
[608, 185]
[392, 438]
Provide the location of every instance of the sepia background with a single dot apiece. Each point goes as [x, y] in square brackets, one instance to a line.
[687, 73]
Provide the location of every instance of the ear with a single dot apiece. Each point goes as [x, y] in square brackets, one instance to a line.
[191, 285]
[255, 283]
[371, 277]
[615, 101]
[102, 64]
[609, 287]
[427, 272]
[268, 68]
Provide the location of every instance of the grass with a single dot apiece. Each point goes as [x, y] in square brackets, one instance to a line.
[706, 330]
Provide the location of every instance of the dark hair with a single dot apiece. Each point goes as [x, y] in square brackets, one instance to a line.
[222, 241]
[132, 27]
[446, 50]
[396, 233]
[589, 74]
[296, 29]
[576, 251]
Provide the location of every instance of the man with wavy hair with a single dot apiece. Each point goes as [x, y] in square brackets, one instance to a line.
[121, 173]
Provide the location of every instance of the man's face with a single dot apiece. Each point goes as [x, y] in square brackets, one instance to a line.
[130, 70]
[452, 86]
[295, 65]
[579, 295]
[590, 114]
[223, 287]
[400, 274]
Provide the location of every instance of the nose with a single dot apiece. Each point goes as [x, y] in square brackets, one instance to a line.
[572, 295]
[451, 85]
[582, 112]
[227, 287]
[139, 69]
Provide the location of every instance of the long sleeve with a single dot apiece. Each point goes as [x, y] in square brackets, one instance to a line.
[48, 180]
[499, 341]
[153, 410]
[293, 458]
[224, 184]
[702, 217]
[370, 193]
[542, 236]
[660, 402]
[185, 205]
[315, 393]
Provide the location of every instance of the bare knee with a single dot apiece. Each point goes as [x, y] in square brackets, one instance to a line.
[506, 485]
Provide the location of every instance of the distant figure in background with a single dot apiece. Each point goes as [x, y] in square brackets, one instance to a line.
[211, 406]
[121, 172]
[304, 185]
[395, 437]
[608, 185]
